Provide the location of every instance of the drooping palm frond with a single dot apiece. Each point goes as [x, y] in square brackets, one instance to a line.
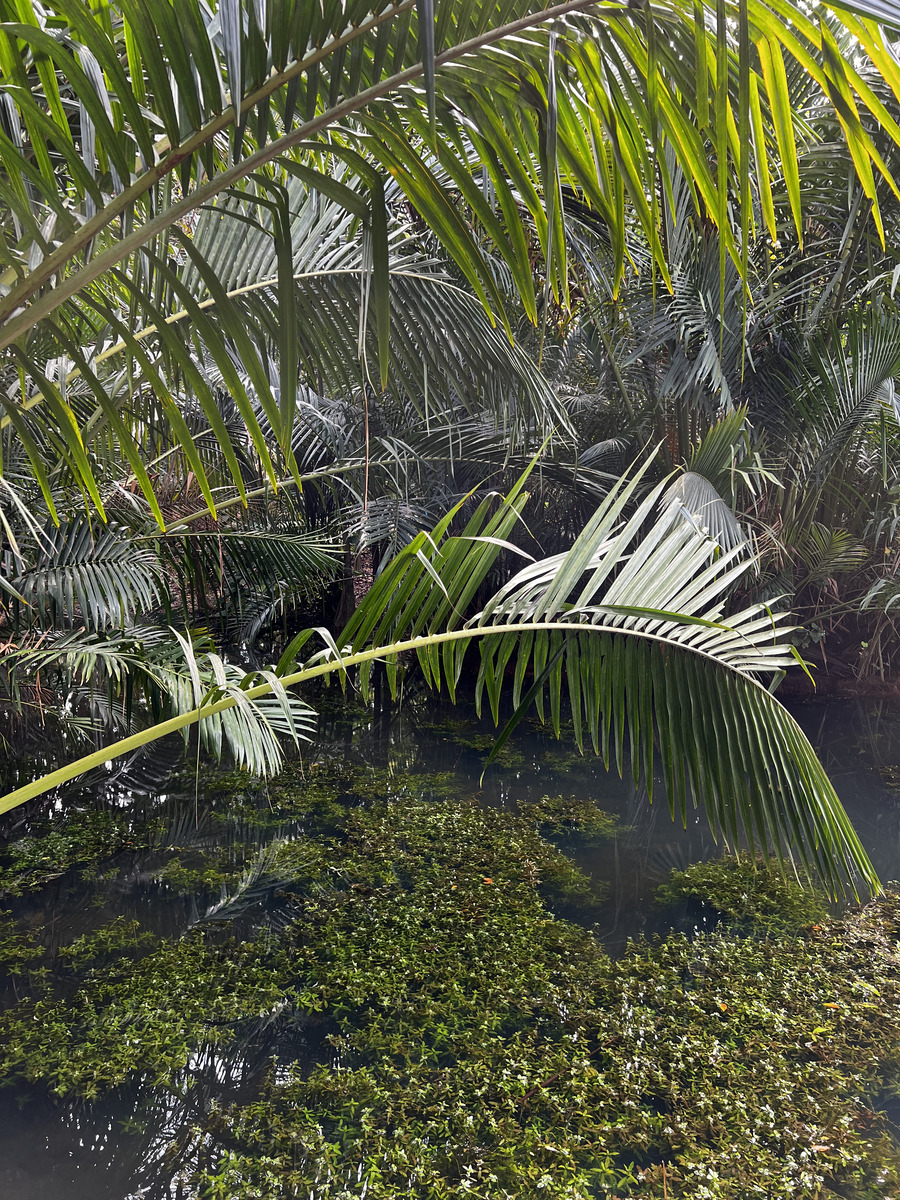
[85, 683]
[831, 414]
[636, 627]
[82, 653]
[388, 522]
[102, 111]
[630, 624]
[443, 349]
[128, 677]
[250, 725]
[248, 576]
[824, 552]
[215, 344]
[253, 556]
[696, 499]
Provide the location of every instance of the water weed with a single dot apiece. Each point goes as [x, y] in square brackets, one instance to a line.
[750, 891]
[79, 838]
[472, 1043]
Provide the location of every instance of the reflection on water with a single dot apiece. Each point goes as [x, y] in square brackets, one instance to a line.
[138, 1141]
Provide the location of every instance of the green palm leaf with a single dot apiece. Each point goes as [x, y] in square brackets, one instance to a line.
[632, 620]
[120, 124]
[97, 577]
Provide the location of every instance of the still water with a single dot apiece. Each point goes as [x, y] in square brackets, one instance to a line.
[134, 1143]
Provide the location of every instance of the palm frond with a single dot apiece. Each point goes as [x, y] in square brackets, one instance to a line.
[249, 725]
[720, 463]
[634, 621]
[695, 499]
[99, 230]
[824, 552]
[95, 576]
[635, 624]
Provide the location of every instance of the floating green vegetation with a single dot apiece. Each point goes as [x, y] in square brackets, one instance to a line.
[317, 793]
[472, 736]
[145, 1013]
[571, 814]
[481, 1046]
[203, 870]
[119, 938]
[481, 743]
[81, 837]
[748, 891]
[488, 1050]
[565, 762]
[16, 948]
[313, 797]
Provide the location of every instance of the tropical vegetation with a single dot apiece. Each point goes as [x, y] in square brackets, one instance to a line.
[319, 321]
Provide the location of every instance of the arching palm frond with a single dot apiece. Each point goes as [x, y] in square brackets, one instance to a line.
[632, 630]
[536, 101]
[443, 349]
[260, 556]
[824, 553]
[251, 575]
[131, 676]
[250, 725]
[389, 522]
[631, 625]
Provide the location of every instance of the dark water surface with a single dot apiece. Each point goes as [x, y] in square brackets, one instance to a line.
[133, 1143]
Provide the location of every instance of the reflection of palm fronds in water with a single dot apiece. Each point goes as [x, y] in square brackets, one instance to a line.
[403, 757]
[373, 739]
[666, 857]
[257, 880]
[638, 812]
[146, 1137]
[148, 770]
[141, 776]
[650, 836]
[150, 1139]
[191, 826]
[139, 1141]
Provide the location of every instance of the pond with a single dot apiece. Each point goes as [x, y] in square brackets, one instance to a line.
[144, 896]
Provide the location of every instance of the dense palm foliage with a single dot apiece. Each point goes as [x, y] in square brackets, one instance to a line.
[283, 284]
[636, 625]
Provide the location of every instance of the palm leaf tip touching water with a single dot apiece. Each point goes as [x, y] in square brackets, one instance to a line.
[630, 626]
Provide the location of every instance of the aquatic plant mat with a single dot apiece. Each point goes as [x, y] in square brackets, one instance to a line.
[419, 1020]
